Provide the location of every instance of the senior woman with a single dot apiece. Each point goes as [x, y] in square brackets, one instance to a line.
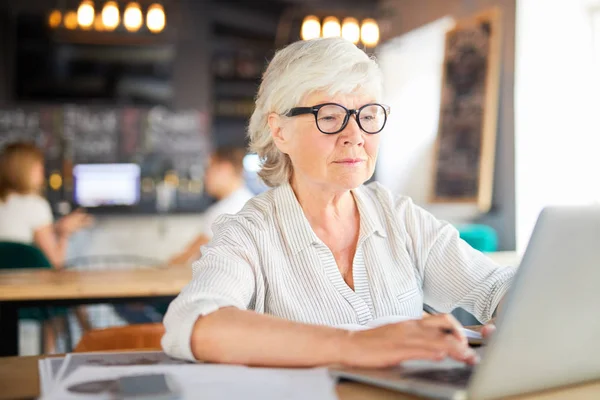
[320, 249]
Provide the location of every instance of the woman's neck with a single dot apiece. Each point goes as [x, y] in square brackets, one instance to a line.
[322, 206]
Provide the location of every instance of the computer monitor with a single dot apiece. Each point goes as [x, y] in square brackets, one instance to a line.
[106, 185]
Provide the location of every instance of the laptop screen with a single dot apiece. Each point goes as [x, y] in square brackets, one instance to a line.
[100, 185]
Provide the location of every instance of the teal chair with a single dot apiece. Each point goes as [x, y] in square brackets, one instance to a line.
[481, 237]
[24, 256]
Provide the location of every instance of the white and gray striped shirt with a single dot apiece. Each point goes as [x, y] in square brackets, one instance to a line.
[267, 258]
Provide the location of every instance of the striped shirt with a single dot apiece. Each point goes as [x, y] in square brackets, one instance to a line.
[268, 259]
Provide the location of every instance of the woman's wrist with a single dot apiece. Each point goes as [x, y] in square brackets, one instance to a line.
[343, 343]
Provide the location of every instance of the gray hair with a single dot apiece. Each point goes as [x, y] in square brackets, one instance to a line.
[332, 65]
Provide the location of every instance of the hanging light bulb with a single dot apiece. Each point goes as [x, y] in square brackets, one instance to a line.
[132, 17]
[155, 18]
[311, 28]
[331, 27]
[70, 20]
[110, 16]
[98, 25]
[369, 32]
[351, 30]
[54, 19]
[85, 14]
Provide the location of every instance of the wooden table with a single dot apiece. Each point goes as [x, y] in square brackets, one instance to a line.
[40, 288]
[19, 379]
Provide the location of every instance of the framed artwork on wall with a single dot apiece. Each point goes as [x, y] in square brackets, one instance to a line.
[466, 140]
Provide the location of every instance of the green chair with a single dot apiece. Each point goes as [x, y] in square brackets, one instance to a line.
[24, 256]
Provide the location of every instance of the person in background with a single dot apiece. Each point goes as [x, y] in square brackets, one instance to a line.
[26, 216]
[223, 180]
[321, 250]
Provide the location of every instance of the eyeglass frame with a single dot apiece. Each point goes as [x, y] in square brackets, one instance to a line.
[295, 111]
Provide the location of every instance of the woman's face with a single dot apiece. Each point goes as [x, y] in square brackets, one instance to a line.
[37, 176]
[336, 162]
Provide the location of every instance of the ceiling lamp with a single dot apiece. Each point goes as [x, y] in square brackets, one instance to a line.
[351, 30]
[70, 20]
[85, 14]
[331, 27]
[54, 19]
[311, 28]
[155, 18]
[110, 16]
[132, 18]
[369, 32]
[98, 25]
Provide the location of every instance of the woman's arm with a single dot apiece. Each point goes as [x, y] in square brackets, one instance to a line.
[191, 251]
[453, 273]
[53, 239]
[234, 336]
[52, 244]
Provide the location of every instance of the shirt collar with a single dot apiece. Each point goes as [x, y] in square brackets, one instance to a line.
[370, 220]
[297, 229]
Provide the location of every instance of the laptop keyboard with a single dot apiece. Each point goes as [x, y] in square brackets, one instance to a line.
[454, 376]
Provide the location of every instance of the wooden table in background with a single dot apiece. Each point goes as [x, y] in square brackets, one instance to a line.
[19, 379]
[41, 288]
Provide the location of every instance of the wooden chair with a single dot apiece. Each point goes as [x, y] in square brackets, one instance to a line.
[129, 337]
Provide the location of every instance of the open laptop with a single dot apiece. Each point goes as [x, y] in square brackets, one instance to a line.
[548, 332]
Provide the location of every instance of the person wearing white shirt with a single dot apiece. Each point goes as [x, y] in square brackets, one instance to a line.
[26, 217]
[322, 249]
[223, 180]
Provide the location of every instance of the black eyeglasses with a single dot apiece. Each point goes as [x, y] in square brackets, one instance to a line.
[332, 118]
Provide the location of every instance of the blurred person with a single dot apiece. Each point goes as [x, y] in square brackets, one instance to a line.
[322, 250]
[224, 181]
[26, 216]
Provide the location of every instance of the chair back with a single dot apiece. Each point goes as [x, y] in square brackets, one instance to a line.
[129, 337]
[15, 255]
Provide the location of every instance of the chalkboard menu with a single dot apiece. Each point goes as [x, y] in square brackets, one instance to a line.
[171, 147]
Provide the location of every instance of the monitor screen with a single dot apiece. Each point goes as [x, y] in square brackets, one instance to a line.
[99, 185]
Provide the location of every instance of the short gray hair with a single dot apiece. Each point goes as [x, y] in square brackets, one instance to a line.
[333, 65]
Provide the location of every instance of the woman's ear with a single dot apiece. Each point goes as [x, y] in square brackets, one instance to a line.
[277, 132]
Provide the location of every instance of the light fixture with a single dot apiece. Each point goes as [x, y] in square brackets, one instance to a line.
[98, 25]
[85, 14]
[311, 28]
[132, 17]
[54, 19]
[70, 20]
[110, 16]
[55, 181]
[155, 18]
[369, 32]
[331, 27]
[351, 30]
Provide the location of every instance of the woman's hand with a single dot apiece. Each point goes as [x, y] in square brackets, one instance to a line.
[432, 338]
[73, 222]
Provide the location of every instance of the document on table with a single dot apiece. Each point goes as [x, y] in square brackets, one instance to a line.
[205, 381]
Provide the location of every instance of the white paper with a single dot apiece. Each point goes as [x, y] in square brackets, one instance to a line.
[76, 360]
[48, 371]
[213, 381]
[45, 379]
[392, 319]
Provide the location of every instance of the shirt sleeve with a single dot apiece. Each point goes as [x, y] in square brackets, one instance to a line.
[225, 275]
[453, 273]
[39, 213]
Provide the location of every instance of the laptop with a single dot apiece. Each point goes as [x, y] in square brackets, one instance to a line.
[548, 333]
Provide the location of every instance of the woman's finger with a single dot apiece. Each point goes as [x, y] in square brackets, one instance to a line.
[446, 323]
